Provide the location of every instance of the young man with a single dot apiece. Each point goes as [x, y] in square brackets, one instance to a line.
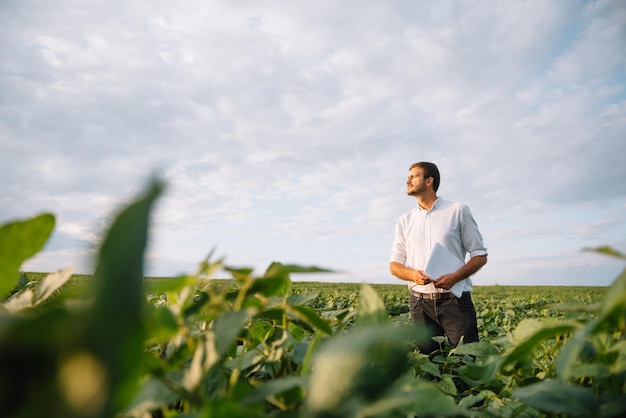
[452, 225]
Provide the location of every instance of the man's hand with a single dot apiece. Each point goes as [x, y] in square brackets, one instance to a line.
[408, 274]
[420, 277]
[446, 281]
[472, 266]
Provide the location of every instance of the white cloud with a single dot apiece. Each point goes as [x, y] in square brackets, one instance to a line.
[286, 129]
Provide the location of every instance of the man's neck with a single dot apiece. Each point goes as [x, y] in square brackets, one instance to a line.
[427, 202]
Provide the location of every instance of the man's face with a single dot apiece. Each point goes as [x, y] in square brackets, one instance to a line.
[415, 183]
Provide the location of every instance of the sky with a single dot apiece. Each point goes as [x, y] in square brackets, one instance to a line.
[284, 130]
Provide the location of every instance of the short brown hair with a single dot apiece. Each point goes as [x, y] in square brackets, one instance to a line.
[430, 170]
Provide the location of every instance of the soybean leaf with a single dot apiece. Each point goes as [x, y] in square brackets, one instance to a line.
[19, 301]
[273, 314]
[204, 358]
[371, 309]
[50, 284]
[174, 284]
[429, 367]
[20, 240]
[271, 286]
[479, 349]
[301, 298]
[555, 397]
[311, 318]
[32, 297]
[613, 405]
[239, 273]
[153, 395]
[115, 332]
[160, 322]
[247, 360]
[420, 399]
[530, 332]
[612, 312]
[447, 385]
[607, 251]
[274, 388]
[570, 353]
[360, 364]
[227, 327]
[613, 308]
[279, 268]
[486, 372]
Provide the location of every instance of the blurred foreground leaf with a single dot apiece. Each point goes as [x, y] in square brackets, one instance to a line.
[19, 241]
[555, 397]
[372, 309]
[359, 365]
[32, 297]
[115, 332]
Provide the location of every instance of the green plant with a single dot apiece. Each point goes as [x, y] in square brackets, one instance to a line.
[116, 344]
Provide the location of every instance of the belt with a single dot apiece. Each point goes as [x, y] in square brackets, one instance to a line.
[433, 296]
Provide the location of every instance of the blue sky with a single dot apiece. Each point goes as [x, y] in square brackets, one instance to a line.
[285, 130]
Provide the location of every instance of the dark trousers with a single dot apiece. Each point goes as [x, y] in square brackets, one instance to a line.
[454, 318]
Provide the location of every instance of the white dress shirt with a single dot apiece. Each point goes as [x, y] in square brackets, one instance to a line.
[449, 223]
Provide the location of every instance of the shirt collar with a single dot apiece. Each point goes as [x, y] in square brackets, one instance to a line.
[436, 204]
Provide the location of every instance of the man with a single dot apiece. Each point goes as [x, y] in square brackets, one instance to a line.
[452, 225]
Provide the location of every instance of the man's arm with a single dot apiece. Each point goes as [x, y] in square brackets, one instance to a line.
[410, 275]
[472, 266]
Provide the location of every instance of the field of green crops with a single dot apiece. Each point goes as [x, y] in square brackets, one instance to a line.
[117, 344]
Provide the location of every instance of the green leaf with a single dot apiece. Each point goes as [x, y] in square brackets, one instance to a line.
[606, 250]
[613, 405]
[239, 273]
[32, 297]
[196, 304]
[153, 395]
[311, 318]
[371, 310]
[160, 322]
[115, 332]
[592, 370]
[20, 240]
[556, 397]
[613, 308]
[429, 367]
[530, 332]
[471, 400]
[360, 364]
[447, 385]
[423, 399]
[259, 331]
[570, 353]
[174, 284]
[301, 298]
[271, 286]
[274, 387]
[485, 373]
[227, 328]
[205, 356]
[119, 275]
[50, 284]
[480, 349]
[273, 314]
[612, 313]
[278, 268]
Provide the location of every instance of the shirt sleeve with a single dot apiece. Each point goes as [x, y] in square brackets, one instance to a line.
[470, 234]
[398, 248]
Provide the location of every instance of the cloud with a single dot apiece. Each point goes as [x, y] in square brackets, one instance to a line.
[286, 129]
